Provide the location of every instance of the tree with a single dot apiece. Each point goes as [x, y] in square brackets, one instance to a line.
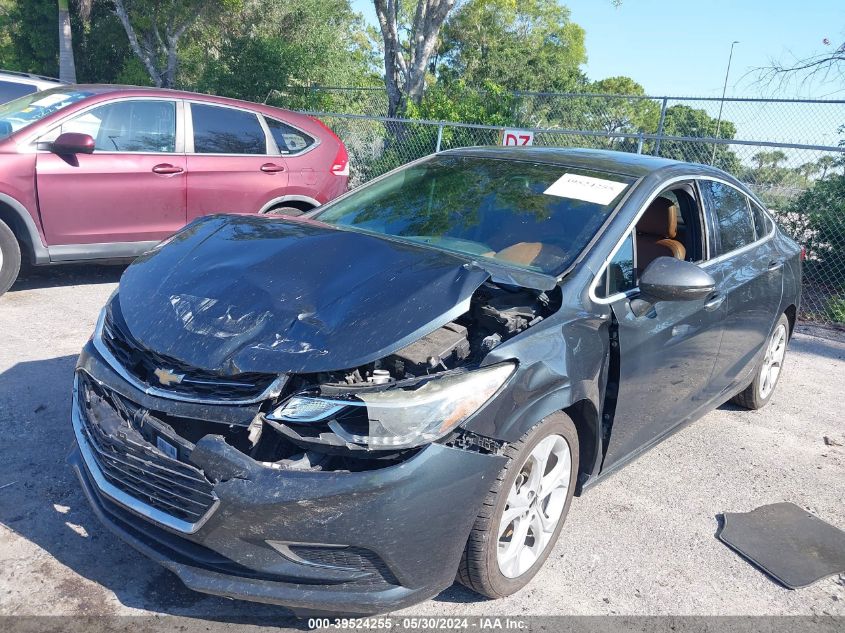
[406, 61]
[155, 29]
[683, 120]
[67, 68]
[268, 46]
[31, 29]
[807, 171]
[621, 115]
[517, 44]
[101, 49]
[826, 163]
[823, 208]
[769, 159]
[824, 64]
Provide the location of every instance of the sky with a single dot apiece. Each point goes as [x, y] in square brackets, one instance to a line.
[681, 47]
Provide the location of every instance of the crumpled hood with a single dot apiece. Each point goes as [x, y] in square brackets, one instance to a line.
[263, 294]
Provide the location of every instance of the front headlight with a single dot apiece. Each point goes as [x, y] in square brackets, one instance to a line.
[401, 416]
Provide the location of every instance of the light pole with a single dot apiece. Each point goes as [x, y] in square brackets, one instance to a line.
[722, 102]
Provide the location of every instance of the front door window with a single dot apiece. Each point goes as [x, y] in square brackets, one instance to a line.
[129, 126]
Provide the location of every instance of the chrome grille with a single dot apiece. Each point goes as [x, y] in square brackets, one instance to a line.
[142, 364]
[131, 464]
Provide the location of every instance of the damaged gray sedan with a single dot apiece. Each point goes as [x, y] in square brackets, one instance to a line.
[345, 412]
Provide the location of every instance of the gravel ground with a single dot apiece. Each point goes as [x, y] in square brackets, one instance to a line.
[641, 542]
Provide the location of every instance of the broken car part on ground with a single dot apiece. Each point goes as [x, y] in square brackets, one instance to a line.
[348, 410]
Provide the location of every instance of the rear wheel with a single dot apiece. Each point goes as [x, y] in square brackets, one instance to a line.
[524, 511]
[10, 258]
[760, 391]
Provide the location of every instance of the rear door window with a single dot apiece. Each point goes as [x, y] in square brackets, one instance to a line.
[731, 213]
[219, 130]
[288, 139]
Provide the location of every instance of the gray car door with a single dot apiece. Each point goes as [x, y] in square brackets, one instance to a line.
[665, 358]
[750, 270]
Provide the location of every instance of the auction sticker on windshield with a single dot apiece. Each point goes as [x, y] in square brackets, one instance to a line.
[586, 188]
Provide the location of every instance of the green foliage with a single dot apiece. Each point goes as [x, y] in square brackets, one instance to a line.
[823, 210]
[517, 44]
[133, 73]
[455, 101]
[31, 28]
[101, 50]
[835, 309]
[685, 121]
[268, 46]
[624, 115]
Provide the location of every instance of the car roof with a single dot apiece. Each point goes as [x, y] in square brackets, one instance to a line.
[29, 78]
[624, 163]
[102, 89]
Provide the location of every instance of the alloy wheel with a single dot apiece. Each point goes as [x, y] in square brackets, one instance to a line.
[534, 506]
[773, 361]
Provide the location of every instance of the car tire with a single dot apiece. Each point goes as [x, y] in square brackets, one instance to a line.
[10, 258]
[484, 568]
[767, 375]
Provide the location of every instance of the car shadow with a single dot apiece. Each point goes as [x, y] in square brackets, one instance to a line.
[41, 501]
[68, 275]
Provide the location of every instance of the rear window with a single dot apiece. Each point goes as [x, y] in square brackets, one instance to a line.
[288, 139]
[531, 215]
[219, 130]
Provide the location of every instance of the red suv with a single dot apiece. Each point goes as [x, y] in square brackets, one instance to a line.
[106, 172]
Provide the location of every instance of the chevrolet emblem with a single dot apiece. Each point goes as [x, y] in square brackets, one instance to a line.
[167, 377]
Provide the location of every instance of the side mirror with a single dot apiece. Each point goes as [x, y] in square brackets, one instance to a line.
[670, 279]
[73, 143]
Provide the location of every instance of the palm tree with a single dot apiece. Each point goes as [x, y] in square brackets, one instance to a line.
[67, 67]
[825, 163]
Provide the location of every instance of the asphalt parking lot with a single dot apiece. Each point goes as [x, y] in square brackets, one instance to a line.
[641, 542]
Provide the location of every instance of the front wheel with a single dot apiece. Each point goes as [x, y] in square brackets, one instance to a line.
[524, 511]
[10, 258]
[760, 391]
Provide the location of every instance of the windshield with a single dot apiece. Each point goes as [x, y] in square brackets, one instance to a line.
[532, 215]
[31, 108]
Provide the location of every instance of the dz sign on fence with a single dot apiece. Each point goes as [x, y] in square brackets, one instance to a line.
[512, 138]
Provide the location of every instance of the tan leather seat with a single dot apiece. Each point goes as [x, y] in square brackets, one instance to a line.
[522, 253]
[536, 254]
[656, 233]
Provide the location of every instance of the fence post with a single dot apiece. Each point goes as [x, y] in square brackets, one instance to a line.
[439, 136]
[660, 127]
[640, 144]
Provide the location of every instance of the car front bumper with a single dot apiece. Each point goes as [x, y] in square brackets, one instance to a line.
[342, 542]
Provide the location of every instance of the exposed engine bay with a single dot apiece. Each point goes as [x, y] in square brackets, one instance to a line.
[369, 416]
[497, 313]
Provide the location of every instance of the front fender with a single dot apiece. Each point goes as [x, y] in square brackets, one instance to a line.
[562, 362]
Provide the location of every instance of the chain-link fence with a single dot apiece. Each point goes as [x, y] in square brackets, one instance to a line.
[803, 183]
[799, 121]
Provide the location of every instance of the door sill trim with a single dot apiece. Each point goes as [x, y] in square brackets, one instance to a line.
[102, 250]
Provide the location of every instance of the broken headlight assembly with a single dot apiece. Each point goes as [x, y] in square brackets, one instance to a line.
[400, 415]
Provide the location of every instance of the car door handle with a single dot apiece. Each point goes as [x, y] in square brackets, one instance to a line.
[714, 302]
[167, 168]
[775, 264]
[272, 168]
